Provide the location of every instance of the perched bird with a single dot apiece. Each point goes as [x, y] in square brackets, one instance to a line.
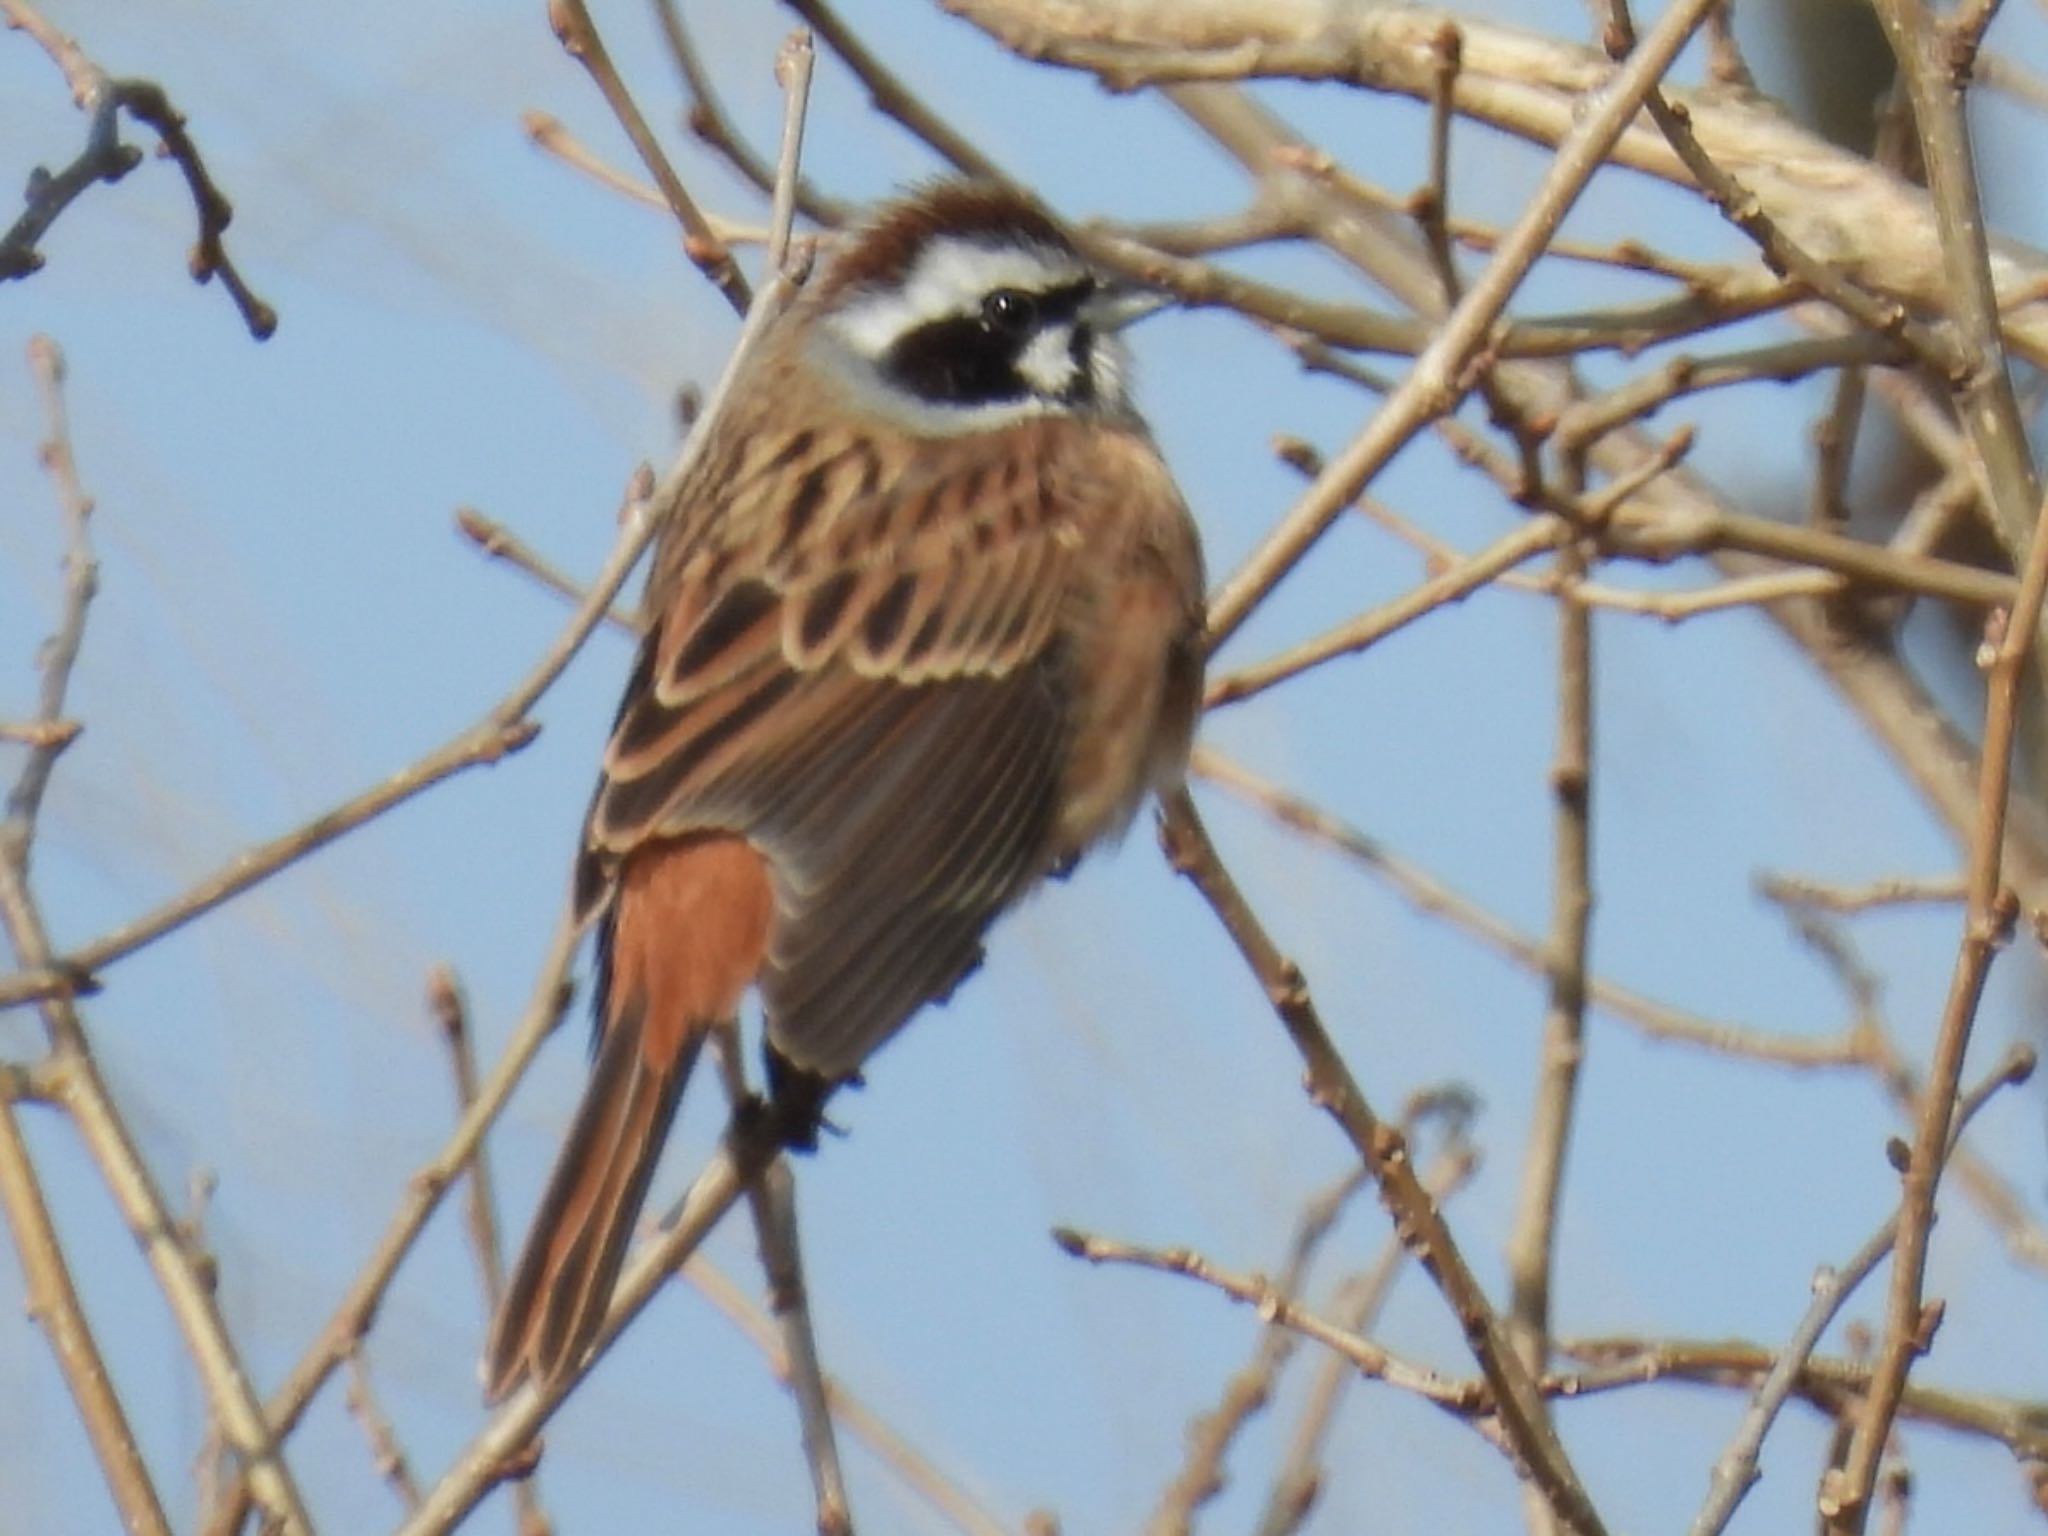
[925, 624]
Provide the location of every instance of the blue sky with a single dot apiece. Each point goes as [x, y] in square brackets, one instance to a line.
[287, 615]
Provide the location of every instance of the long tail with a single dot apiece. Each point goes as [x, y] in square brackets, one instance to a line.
[688, 931]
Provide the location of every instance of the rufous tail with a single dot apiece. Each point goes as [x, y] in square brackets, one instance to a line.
[686, 939]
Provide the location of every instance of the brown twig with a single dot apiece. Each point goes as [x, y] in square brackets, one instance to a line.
[1531, 1245]
[947, 1498]
[891, 97]
[385, 1451]
[106, 158]
[71, 1074]
[1926, 48]
[81, 583]
[794, 63]
[771, 1201]
[713, 126]
[1988, 915]
[1440, 378]
[701, 243]
[1299, 1478]
[54, 1305]
[1211, 1433]
[1783, 362]
[1893, 891]
[450, 1009]
[1430, 896]
[1993, 1195]
[1735, 1472]
[749, 1148]
[501, 543]
[2020, 1424]
[1531, 539]
[550, 136]
[1279, 1310]
[1331, 1087]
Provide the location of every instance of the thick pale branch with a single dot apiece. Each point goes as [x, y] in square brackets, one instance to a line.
[1874, 228]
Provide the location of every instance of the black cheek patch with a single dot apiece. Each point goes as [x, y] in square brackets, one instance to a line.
[956, 362]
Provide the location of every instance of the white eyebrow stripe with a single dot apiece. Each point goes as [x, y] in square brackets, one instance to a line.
[950, 278]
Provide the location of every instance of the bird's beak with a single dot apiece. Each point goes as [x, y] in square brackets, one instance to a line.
[1117, 304]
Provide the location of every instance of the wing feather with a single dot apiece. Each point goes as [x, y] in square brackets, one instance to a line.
[862, 678]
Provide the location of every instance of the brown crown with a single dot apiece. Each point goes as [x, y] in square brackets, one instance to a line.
[884, 251]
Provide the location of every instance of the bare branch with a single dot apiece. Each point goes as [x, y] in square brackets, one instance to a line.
[701, 243]
[1332, 1089]
[106, 158]
[1736, 1470]
[1990, 909]
[54, 1304]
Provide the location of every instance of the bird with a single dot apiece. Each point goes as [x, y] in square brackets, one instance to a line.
[925, 625]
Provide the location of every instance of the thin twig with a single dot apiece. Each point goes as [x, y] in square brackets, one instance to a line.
[1299, 1478]
[1979, 378]
[385, 1451]
[701, 243]
[106, 158]
[771, 1201]
[1830, 1384]
[1331, 1087]
[891, 97]
[501, 543]
[794, 62]
[71, 1074]
[495, 1451]
[1432, 897]
[1276, 1308]
[713, 126]
[450, 1009]
[1440, 377]
[1892, 891]
[81, 582]
[1532, 538]
[1735, 1472]
[1211, 1433]
[947, 1498]
[1989, 912]
[1531, 1245]
[53, 1303]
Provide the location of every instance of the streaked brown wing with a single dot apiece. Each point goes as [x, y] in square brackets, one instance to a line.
[864, 679]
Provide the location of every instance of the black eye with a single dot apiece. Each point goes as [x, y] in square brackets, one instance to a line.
[1009, 310]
